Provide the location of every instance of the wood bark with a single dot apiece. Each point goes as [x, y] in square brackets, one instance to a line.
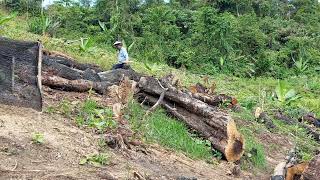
[212, 100]
[61, 70]
[61, 58]
[79, 85]
[279, 171]
[312, 172]
[215, 125]
[267, 120]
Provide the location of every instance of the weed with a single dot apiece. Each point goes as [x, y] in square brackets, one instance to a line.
[42, 25]
[50, 110]
[92, 115]
[302, 140]
[65, 108]
[300, 65]
[97, 160]
[86, 44]
[37, 138]
[5, 19]
[102, 143]
[217, 154]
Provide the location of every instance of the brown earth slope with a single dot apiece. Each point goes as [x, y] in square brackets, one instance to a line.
[64, 146]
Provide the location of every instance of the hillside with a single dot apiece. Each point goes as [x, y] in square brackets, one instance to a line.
[66, 143]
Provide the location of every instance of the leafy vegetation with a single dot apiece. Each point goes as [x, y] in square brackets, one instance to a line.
[38, 138]
[97, 160]
[92, 115]
[255, 154]
[243, 38]
[5, 19]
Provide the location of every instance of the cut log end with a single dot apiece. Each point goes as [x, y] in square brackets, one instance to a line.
[235, 147]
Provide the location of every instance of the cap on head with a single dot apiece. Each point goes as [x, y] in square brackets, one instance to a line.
[117, 43]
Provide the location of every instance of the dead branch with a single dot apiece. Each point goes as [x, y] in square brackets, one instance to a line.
[156, 104]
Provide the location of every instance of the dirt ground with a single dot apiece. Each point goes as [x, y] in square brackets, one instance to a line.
[65, 144]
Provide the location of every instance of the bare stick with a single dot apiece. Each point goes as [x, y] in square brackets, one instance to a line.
[39, 76]
[12, 73]
[156, 104]
[15, 166]
[144, 100]
[162, 86]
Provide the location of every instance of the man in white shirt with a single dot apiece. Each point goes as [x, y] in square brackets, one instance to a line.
[123, 57]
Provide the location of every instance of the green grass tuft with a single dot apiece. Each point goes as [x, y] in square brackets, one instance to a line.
[168, 132]
[255, 155]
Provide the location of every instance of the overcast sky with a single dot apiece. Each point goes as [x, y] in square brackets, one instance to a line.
[47, 2]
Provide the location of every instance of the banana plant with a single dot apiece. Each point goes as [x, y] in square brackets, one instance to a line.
[5, 19]
[221, 60]
[103, 25]
[300, 64]
[283, 95]
[86, 44]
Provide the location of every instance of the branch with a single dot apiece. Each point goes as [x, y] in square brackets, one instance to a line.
[156, 104]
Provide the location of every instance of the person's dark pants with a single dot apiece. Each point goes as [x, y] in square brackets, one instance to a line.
[121, 66]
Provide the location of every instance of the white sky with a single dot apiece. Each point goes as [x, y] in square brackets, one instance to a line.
[46, 3]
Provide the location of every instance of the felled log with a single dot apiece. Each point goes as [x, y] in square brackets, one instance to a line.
[312, 171]
[311, 119]
[68, 72]
[216, 126]
[79, 85]
[312, 131]
[266, 120]
[295, 172]
[64, 59]
[279, 172]
[61, 70]
[213, 100]
[114, 76]
[281, 116]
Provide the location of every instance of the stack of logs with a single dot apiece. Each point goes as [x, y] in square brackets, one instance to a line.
[199, 111]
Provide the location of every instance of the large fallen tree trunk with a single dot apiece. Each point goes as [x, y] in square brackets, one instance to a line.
[79, 85]
[61, 68]
[312, 172]
[216, 126]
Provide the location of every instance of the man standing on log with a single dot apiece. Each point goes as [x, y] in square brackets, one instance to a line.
[123, 57]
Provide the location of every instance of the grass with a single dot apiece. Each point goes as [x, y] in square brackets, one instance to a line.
[168, 132]
[306, 145]
[255, 155]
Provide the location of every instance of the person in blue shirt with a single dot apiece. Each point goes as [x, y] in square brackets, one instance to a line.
[123, 57]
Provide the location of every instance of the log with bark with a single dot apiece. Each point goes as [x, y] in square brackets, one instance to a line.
[79, 85]
[312, 172]
[213, 124]
[266, 120]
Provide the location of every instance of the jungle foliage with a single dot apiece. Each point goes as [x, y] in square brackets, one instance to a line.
[246, 38]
